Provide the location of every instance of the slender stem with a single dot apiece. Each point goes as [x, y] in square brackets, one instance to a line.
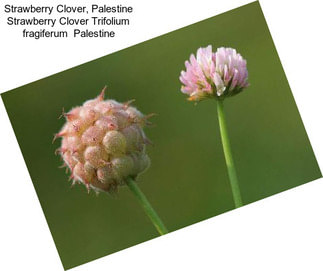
[151, 213]
[228, 156]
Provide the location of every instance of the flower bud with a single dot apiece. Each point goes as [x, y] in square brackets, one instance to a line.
[103, 143]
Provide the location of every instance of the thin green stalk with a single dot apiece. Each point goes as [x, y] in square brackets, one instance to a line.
[151, 213]
[228, 155]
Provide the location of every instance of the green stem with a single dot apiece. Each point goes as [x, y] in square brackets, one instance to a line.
[151, 213]
[228, 156]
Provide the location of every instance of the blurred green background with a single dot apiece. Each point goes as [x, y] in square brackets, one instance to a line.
[187, 181]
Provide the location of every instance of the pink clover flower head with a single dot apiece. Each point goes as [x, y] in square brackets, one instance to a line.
[218, 75]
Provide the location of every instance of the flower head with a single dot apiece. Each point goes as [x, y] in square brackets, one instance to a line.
[103, 143]
[219, 75]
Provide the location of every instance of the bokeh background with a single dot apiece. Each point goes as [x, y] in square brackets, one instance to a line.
[187, 181]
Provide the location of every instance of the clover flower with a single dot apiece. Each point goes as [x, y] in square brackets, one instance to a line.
[103, 143]
[219, 75]
[104, 147]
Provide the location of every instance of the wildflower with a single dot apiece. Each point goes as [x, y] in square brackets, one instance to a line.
[214, 75]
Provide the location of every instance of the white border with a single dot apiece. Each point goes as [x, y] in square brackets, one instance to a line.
[283, 232]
